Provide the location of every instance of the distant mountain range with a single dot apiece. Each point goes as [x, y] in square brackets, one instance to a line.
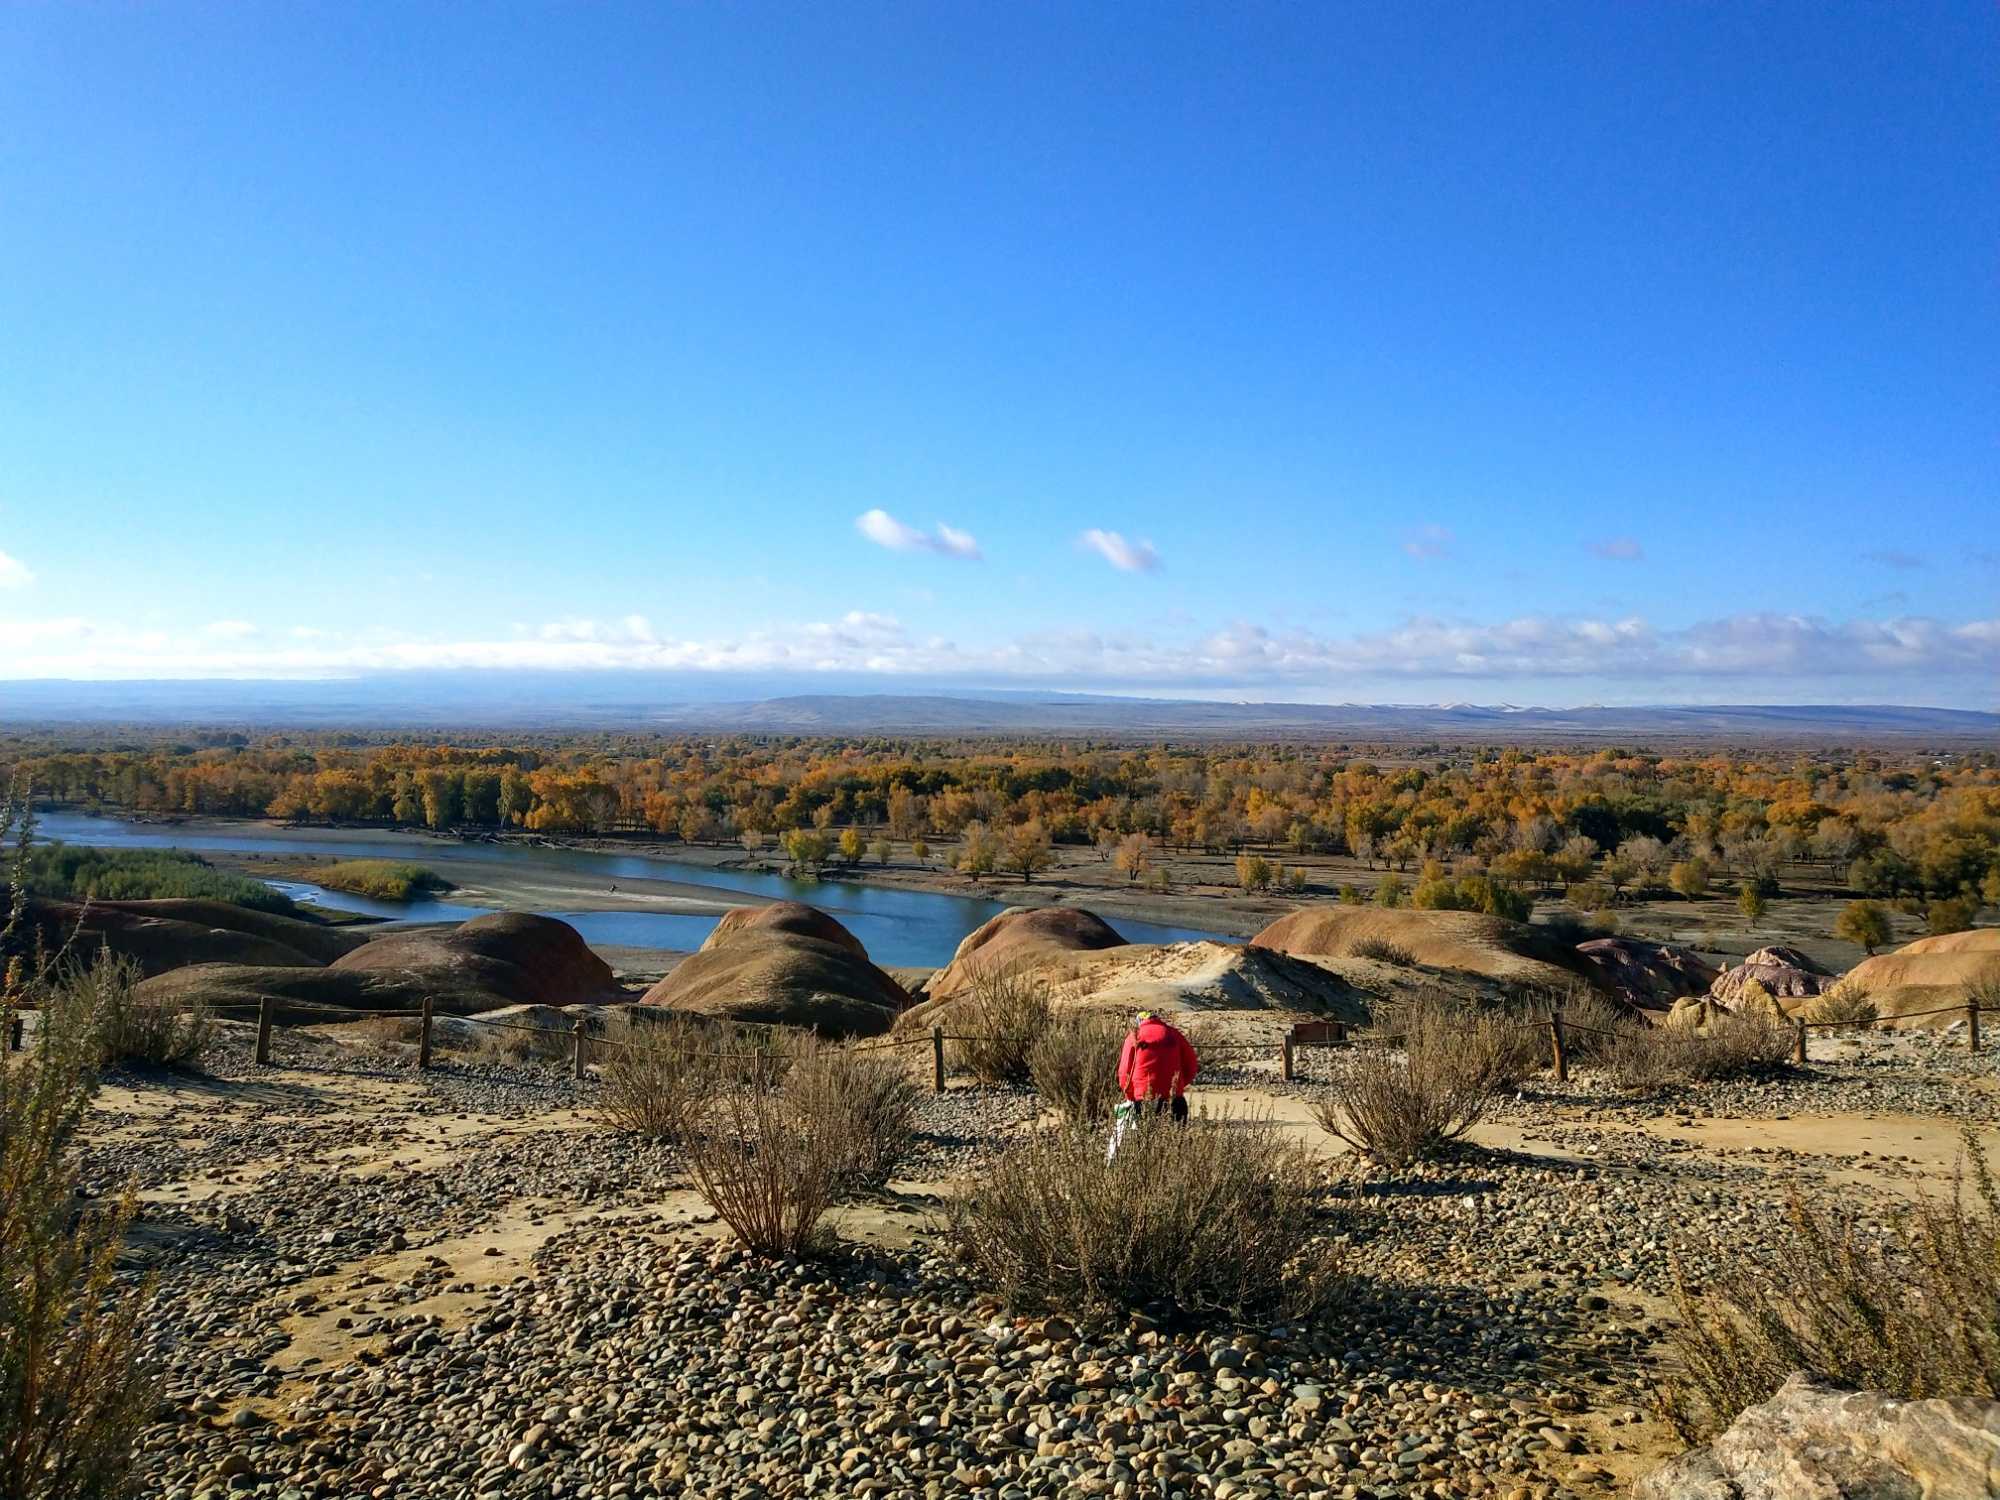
[630, 701]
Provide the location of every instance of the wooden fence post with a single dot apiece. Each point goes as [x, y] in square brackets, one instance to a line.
[264, 1008]
[937, 1059]
[424, 1039]
[1799, 1040]
[1972, 1024]
[1287, 1065]
[578, 1066]
[1558, 1052]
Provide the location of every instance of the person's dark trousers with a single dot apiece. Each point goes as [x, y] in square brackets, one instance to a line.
[1176, 1106]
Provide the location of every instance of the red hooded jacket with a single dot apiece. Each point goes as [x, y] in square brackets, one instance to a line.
[1157, 1063]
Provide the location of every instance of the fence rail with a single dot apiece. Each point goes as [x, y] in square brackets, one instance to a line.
[1305, 1034]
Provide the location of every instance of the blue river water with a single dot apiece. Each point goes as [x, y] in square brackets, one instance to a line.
[896, 926]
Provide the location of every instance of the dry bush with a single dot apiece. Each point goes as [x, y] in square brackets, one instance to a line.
[1383, 951]
[1593, 1024]
[1844, 1007]
[73, 1393]
[768, 1174]
[864, 1104]
[1730, 1046]
[1075, 1065]
[1212, 1217]
[1914, 1312]
[131, 1030]
[997, 1025]
[658, 1077]
[1426, 1077]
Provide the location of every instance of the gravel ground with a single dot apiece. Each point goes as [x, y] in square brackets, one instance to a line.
[376, 1282]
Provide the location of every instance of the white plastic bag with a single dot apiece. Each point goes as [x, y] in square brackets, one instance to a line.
[1122, 1119]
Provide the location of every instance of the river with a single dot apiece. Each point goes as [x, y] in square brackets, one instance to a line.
[897, 926]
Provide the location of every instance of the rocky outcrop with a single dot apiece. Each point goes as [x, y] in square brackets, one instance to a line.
[1929, 974]
[1817, 1442]
[1647, 976]
[1021, 937]
[519, 958]
[1784, 974]
[1494, 947]
[783, 965]
[162, 935]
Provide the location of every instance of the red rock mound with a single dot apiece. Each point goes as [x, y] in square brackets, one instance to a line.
[1493, 946]
[1785, 974]
[163, 935]
[793, 967]
[1930, 973]
[1021, 937]
[1647, 976]
[519, 958]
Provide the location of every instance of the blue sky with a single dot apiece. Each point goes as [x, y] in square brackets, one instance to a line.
[1415, 352]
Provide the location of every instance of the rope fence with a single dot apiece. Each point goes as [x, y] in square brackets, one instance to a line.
[1308, 1034]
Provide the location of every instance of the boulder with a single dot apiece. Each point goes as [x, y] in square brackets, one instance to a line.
[1785, 974]
[1647, 976]
[1817, 1442]
[783, 965]
[517, 957]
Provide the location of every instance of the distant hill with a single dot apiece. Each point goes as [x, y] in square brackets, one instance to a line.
[641, 701]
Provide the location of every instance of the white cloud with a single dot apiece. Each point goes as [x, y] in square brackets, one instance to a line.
[14, 573]
[1617, 549]
[1428, 543]
[1127, 557]
[1764, 647]
[884, 530]
[229, 630]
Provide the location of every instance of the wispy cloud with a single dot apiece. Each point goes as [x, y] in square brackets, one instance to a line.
[1127, 557]
[1428, 543]
[229, 630]
[1890, 557]
[884, 530]
[1617, 549]
[14, 573]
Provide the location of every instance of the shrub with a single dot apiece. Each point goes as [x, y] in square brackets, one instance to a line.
[1216, 1216]
[1730, 1046]
[130, 1030]
[1863, 923]
[997, 1025]
[1074, 1064]
[1427, 1080]
[1383, 951]
[1950, 914]
[382, 879]
[863, 1105]
[1914, 1312]
[73, 1394]
[64, 872]
[655, 1078]
[1843, 1006]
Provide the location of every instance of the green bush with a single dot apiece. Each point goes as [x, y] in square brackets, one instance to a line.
[1214, 1217]
[66, 872]
[130, 1030]
[381, 879]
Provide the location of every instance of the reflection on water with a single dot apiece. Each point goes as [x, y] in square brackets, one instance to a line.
[898, 927]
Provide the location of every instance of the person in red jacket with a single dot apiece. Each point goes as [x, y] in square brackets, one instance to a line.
[1157, 1065]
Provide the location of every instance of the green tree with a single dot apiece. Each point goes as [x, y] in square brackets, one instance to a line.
[978, 852]
[852, 846]
[1253, 872]
[1950, 914]
[1750, 901]
[1029, 849]
[1865, 923]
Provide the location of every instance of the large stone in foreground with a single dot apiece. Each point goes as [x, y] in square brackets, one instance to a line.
[1817, 1442]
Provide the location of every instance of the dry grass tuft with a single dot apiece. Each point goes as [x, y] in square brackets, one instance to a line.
[1730, 1046]
[1214, 1217]
[1844, 1007]
[1427, 1077]
[1914, 1311]
[863, 1104]
[130, 1030]
[1383, 951]
[1075, 1066]
[1001, 1019]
